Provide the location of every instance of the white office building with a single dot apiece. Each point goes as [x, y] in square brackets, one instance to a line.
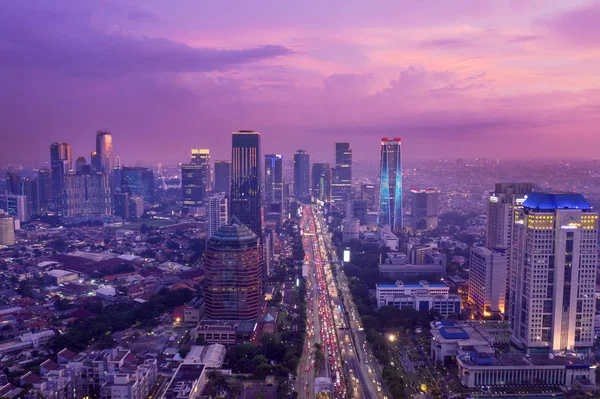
[422, 296]
[216, 213]
[553, 274]
[487, 280]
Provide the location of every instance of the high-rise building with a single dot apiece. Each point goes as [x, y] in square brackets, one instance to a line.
[301, 174]
[44, 190]
[13, 183]
[390, 184]
[321, 182]
[425, 208]
[216, 213]
[61, 164]
[341, 176]
[138, 181]
[233, 264]
[80, 164]
[553, 273]
[86, 196]
[136, 206]
[29, 188]
[487, 280]
[360, 210]
[104, 149]
[121, 205]
[223, 177]
[274, 183]
[195, 180]
[506, 198]
[16, 206]
[95, 162]
[245, 201]
[7, 230]
[368, 192]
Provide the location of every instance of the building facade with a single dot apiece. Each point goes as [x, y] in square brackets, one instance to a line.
[234, 275]
[138, 181]
[274, 184]
[390, 184]
[301, 175]
[245, 201]
[553, 273]
[86, 196]
[216, 213]
[506, 198]
[223, 177]
[195, 180]
[7, 230]
[61, 164]
[341, 176]
[422, 296]
[321, 182]
[487, 280]
[425, 208]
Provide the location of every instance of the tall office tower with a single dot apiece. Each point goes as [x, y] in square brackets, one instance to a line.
[553, 273]
[121, 205]
[245, 199]
[136, 206]
[104, 149]
[16, 206]
[138, 181]
[286, 199]
[216, 213]
[274, 183]
[13, 183]
[301, 174]
[341, 176]
[321, 182]
[29, 188]
[223, 177]
[7, 230]
[44, 190]
[95, 162]
[233, 264]
[487, 280]
[360, 210]
[195, 180]
[86, 196]
[390, 184]
[201, 156]
[80, 165]
[503, 202]
[425, 208]
[368, 192]
[61, 164]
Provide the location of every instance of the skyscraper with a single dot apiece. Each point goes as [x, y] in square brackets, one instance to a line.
[301, 174]
[245, 200]
[425, 207]
[368, 192]
[503, 202]
[29, 188]
[390, 184]
[138, 181]
[16, 206]
[13, 183]
[233, 265]
[321, 182]
[104, 149]
[341, 185]
[223, 177]
[487, 277]
[80, 164]
[553, 273]
[216, 213]
[61, 164]
[195, 180]
[45, 195]
[274, 183]
[86, 196]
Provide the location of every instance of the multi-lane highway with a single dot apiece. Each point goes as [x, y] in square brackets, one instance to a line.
[333, 322]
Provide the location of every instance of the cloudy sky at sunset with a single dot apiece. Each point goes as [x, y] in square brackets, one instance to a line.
[517, 78]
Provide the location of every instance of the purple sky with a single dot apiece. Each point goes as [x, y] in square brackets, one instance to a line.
[517, 78]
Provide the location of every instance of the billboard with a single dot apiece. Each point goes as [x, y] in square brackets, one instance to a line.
[346, 255]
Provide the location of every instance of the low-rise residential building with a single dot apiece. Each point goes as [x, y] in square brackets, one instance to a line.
[188, 382]
[58, 276]
[194, 311]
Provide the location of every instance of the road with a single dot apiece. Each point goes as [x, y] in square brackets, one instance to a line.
[333, 322]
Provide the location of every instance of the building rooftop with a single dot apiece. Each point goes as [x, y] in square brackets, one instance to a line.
[546, 201]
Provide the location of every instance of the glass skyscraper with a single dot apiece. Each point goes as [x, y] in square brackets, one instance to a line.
[321, 182]
[61, 164]
[223, 177]
[246, 198]
[195, 179]
[274, 183]
[138, 181]
[390, 184]
[341, 185]
[301, 174]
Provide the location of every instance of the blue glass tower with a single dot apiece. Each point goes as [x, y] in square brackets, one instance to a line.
[390, 184]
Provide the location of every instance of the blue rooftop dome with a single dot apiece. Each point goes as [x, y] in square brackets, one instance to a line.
[545, 201]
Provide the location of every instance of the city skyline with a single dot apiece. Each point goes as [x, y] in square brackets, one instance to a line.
[485, 74]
